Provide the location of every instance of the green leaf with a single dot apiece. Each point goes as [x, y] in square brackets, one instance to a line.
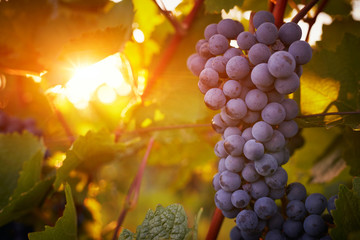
[88, 153]
[164, 223]
[21, 204]
[347, 212]
[339, 68]
[351, 151]
[65, 227]
[214, 6]
[338, 7]
[15, 150]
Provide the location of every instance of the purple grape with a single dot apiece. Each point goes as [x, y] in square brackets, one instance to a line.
[232, 52]
[259, 189]
[314, 225]
[262, 131]
[216, 182]
[246, 40]
[218, 124]
[295, 210]
[234, 164]
[266, 165]
[235, 234]
[230, 181]
[261, 17]
[273, 113]
[221, 166]
[196, 64]
[231, 213]
[247, 220]
[256, 100]
[301, 51]
[275, 96]
[277, 193]
[237, 67]
[247, 134]
[215, 99]
[203, 88]
[253, 150]
[209, 77]
[281, 64]
[289, 33]
[276, 221]
[281, 156]
[287, 85]
[331, 203]
[210, 30]
[291, 108]
[232, 89]
[261, 76]
[276, 143]
[292, 229]
[275, 234]
[249, 173]
[259, 53]
[265, 208]
[266, 33]
[231, 131]
[240, 199]
[288, 128]
[218, 44]
[229, 121]
[236, 108]
[223, 200]
[199, 44]
[234, 145]
[219, 65]
[219, 149]
[230, 28]
[251, 117]
[296, 191]
[315, 203]
[278, 179]
[204, 50]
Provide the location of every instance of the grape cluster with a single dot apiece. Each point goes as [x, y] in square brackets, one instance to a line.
[9, 124]
[249, 85]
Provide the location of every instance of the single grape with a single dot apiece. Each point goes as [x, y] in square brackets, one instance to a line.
[249, 173]
[278, 179]
[261, 76]
[292, 229]
[246, 40]
[198, 44]
[281, 156]
[291, 108]
[231, 213]
[229, 121]
[295, 210]
[265, 208]
[301, 51]
[208, 63]
[256, 100]
[234, 145]
[314, 225]
[289, 33]
[204, 50]
[209, 77]
[253, 150]
[259, 53]
[296, 191]
[251, 117]
[237, 67]
[218, 44]
[259, 189]
[196, 64]
[276, 221]
[275, 96]
[231, 131]
[287, 85]
[223, 200]
[240, 199]
[215, 99]
[262, 131]
[246, 134]
[281, 64]
[299, 70]
[230, 181]
[316, 203]
[265, 89]
[234, 164]
[263, 16]
[288, 128]
[219, 149]
[230, 28]
[218, 124]
[247, 220]
[216, 182]
[221, 166]
[273, 113]
[266, 165]
[236, 108]
[232, 89]
[219, 65]
[276, 143]
[266, 33]
[210, 30]
[202, 87]
[275, 234]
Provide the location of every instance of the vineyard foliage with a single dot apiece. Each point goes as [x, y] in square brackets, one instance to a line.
[73, 181]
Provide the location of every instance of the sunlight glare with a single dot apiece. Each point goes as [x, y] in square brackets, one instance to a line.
[138, 35]
[87, 80]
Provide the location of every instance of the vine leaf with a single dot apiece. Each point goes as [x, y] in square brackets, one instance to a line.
[351, 151]
[88, 153]
[347, 212]
[214, 6]
[164, 223]
[65, 227]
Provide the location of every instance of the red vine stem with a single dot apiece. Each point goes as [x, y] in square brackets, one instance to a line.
[327, 114]
[134, 190]
[300, 15]
[172, 47]
[311, 21]
[278, 12]
[178, 27]
[215, 225]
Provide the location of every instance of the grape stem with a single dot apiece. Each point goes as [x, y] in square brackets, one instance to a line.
[168, 14]
[134, 190]
[215, 225]
[172, 47]
[311, 21]
[328, 114]
[278, 12]
[304, 11]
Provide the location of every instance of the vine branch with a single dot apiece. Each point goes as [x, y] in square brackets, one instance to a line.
[134, 190]
[278, 12]
[328, 114]
[311, 21]
[168, 14]
[300, 15]
[215, 225]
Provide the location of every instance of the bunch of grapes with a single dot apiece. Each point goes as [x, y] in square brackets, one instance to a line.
[9, 124]
[249, 85]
